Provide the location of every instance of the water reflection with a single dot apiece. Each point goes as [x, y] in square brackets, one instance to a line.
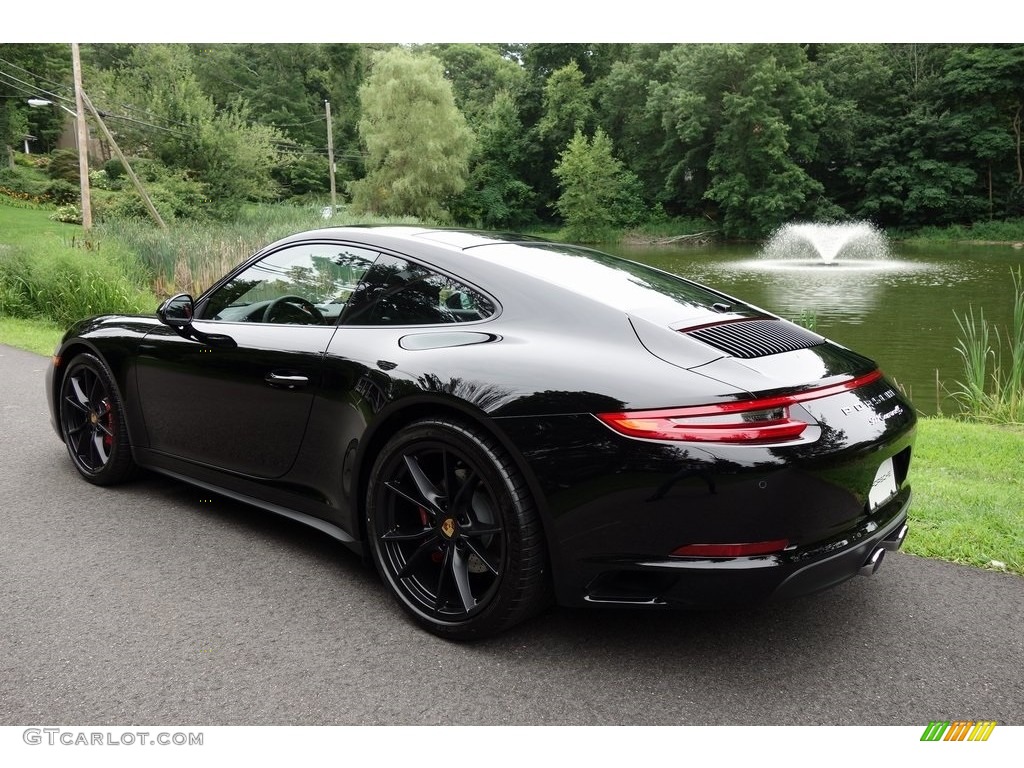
[841, 290]
[899, 311]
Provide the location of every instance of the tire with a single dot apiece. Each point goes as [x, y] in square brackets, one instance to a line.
[454, 532]
[92, 422]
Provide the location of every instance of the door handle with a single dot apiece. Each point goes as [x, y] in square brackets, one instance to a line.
[286, 380]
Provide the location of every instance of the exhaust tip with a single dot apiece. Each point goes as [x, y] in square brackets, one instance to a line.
[871, 566]
[895, 541]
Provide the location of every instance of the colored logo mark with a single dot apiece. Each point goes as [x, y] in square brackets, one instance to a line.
[958, 730]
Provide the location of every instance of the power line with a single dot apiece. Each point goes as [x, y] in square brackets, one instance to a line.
[61, 86]
[33, 89]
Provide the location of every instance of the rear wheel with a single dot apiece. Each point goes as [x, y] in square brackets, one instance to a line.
[92, 422]
[454, 532]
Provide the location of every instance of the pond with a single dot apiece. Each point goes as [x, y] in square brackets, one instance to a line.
[898, 310]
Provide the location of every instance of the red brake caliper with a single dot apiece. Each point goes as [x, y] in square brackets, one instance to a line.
[108, 422]
[438, 555]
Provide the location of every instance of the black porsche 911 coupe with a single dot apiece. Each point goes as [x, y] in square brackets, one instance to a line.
[499, 421]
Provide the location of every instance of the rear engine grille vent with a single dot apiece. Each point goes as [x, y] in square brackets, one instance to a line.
[756, 338]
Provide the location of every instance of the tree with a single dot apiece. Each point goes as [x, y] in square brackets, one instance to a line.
[983, 82]
[496, 197]
[621, 108]
[742, 125]
[417, 142]
[567, 108]
[171, 118]
[286, 85]
[478, 73]
[38, 70]
[598, 193]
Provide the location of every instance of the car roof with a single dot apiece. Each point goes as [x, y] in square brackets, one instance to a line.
[587, 274]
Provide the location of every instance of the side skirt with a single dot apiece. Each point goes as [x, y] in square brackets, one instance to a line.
[332, 530]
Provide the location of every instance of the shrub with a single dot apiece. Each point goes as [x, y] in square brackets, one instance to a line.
[63, 192]
[64, 165]
[22, 181]
[114, 169]
[67, 214]
[173, 193]
[65, 284]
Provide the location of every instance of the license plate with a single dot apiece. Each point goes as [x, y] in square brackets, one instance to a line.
[883, 487]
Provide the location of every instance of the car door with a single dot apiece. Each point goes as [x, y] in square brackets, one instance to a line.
[237, 393]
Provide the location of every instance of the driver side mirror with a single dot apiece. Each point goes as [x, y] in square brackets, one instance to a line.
[177, 311]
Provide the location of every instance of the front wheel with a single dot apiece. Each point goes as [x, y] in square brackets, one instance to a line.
[92, 422]
[454, 532]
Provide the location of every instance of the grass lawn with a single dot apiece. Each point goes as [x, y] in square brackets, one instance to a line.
[968, 494]
[40, 336]
[32, 227]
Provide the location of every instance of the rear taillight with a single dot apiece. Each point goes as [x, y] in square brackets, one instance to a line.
[760, 420]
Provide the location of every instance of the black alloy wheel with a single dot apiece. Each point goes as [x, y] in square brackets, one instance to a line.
[92, 422]
[453, 531]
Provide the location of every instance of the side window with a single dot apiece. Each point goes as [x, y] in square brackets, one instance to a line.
[400, 292]
[306, 284]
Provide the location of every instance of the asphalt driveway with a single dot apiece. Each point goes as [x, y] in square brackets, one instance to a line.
[158, 603]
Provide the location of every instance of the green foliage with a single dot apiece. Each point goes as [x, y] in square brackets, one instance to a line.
[478, 73]
[64, 165]
[48, 61]
[750, 136]
[63, 192]
[993, 362]
[13, 122]
[495, 196]
[67, 214]
[808, 319]
[622, 107]
[303, 175]
[114, 169]
[219, 148]
[191, 255]
[1008, 231]
[98, 179]
[567, 108]
[173, 193]
[598, 193]
[749, 115]
[418, 144]
[66, 284]
[23, 181]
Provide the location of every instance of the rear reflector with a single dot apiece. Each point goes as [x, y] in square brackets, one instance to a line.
[732, 550]
[761, 420]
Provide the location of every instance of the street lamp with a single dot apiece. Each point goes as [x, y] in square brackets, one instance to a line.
[48, 103]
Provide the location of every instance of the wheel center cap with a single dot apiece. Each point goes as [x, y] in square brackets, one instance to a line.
[448, 527]
[94, 419]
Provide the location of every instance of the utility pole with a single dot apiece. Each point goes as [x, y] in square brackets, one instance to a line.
[330, 156]
[124, 161]
[83, 139]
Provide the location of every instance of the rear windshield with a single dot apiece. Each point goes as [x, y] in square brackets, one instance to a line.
[625, 285]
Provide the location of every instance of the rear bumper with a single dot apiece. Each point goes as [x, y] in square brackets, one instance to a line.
[686, 582]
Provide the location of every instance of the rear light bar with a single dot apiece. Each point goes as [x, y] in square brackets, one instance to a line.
[761, 420]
